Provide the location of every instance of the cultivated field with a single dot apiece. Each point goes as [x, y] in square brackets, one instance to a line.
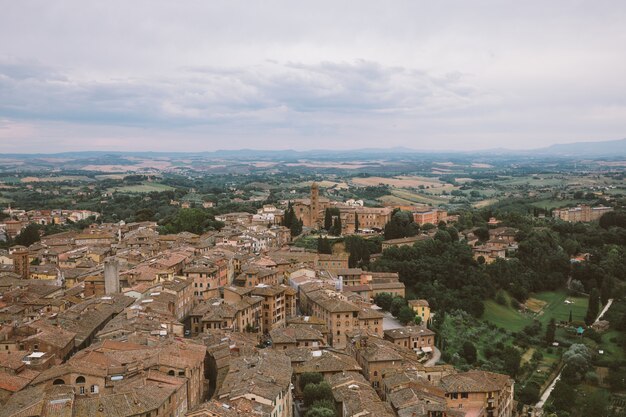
[142, 188]
[402, 182]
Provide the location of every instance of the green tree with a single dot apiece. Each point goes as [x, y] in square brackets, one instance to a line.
[296, 228]
[482, 233]
[193, 220]
[468, 352]
[316, 392]
[383, 300]
[606, 289]
[318, 410]
[563, 396]
[28, 236]
[336, 228]
[324, 246]
[396, 304]
[401, 225]
[593, 308]
[550, 331]
[309, 378]
[596, 405]
[530, 393]
[512, 359]
[406, 315]
[356, 222]
[328, 219]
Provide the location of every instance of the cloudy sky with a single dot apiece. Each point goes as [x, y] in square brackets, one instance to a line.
[206, 75]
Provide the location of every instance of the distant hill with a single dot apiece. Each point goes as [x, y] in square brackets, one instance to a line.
[612, 148]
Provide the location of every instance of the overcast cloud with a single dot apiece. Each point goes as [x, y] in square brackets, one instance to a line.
[207, 75]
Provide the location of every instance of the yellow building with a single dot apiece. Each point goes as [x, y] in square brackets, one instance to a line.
[421, 308]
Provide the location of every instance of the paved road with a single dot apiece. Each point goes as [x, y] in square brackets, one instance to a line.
[434, 359]
[547, 392]
[390, 322]
[604, 310]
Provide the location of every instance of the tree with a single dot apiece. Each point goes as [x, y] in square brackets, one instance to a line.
[383, 300]
[193, 220]
[550, 331]
[290, 217]
[310, 378]
[469, 352]
[406, 315]
[593, 308]
[337, 227]
[482, 233]
[324, 246]
[596, 405]
[512, 359]
[606, 289]
[530, 393]
[401, 225]
[323, 408]
[328, 219]
[316, 392]
[563, 396]
[28, 236]
[296, 228]
[396, 304]
[356, 222]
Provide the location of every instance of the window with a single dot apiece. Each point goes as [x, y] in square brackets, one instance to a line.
[94, 389]
[80, 380]
[82, 390]
[338, 332]
[464, 395]
[58, 382]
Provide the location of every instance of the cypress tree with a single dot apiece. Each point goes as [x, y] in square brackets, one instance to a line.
[593, 308]
[328, 219]
[550, 332]
[356, 222]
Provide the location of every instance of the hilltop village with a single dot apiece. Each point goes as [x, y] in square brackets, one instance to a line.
[120, 320]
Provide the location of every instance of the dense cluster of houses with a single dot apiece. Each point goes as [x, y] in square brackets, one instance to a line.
[120, 320]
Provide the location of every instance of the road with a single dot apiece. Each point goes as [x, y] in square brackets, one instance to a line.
[390, 322]
[548, 391]
[434, 359]
[604, 310]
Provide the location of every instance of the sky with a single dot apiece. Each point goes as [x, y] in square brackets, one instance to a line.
[207, 75]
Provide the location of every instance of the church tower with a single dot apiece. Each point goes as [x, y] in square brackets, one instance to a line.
[315, 205]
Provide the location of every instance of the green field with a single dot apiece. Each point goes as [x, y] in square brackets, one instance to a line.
[511, 319]
[141, 188]
[558, 309]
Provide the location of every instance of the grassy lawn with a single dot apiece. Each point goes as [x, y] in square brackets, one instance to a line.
[557, 308]
[505, 316]
[554, 306]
